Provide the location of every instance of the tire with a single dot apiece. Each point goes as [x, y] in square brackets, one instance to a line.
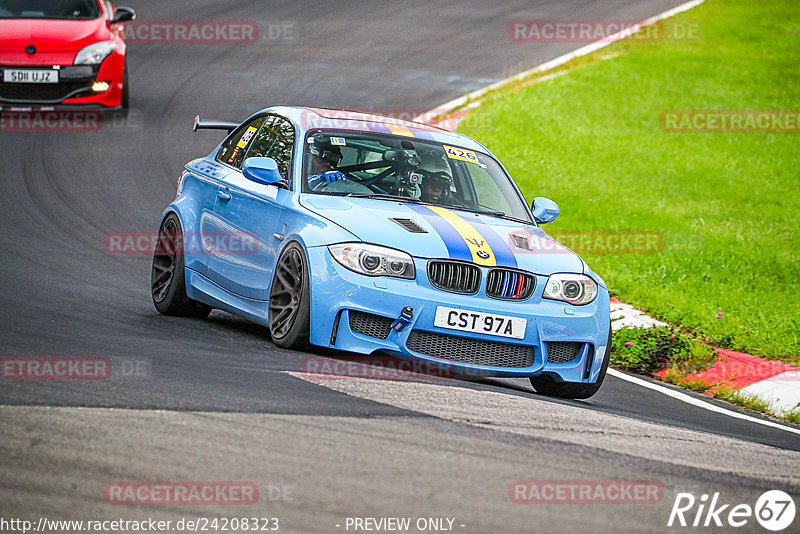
[572, 390]
[167, 275]
[289, 308]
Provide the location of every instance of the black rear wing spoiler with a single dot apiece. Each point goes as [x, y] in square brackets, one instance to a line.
[203, 124]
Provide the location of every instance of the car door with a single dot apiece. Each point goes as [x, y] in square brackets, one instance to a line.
[252, 211]
[199, 186]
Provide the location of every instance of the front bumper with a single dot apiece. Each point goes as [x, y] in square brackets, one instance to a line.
[340, 298]
[74, 88]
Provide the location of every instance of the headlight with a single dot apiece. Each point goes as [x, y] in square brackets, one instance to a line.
[95, 53]
[577, 289]
[373, 260]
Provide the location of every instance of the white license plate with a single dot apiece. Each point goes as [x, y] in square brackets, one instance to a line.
[30, 76]
[479, 322]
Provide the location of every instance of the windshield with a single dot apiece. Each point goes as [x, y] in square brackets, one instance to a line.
[385, 167]
[49, 9]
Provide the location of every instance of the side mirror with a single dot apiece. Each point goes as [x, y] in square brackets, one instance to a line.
[123, 14]
[544, 210]
[263, 171]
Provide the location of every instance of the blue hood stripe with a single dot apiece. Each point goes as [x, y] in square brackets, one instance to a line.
[456, 247]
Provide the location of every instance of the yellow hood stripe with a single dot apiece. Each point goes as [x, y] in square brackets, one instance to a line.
[482, 253]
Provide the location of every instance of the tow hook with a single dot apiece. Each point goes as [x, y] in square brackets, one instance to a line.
[405, 318]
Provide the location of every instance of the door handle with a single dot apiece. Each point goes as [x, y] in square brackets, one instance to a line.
[223, 194]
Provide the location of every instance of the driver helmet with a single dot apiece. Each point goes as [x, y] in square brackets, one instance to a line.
[436, 177]
[331, 154]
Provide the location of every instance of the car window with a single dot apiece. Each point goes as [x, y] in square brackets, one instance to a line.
[235, 147]
[275, 140]
[50, 9]
[263, 139]
[360, 163]
[489, 195]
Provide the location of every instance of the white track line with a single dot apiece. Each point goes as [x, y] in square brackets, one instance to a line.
[688, 399]
[460, 101]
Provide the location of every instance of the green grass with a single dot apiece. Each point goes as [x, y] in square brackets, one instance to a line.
[755, 403]
[751, 402]
[674, 376]
[647, 350]
[727, 205]
[793, 416]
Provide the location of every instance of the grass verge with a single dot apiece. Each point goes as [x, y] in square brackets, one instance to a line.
[647, 350]
[724, 205]
[673, 356]
[752, 402]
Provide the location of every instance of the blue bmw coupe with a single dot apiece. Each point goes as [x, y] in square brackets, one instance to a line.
[373, 235]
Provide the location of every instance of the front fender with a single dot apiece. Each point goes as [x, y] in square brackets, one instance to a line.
[309, 229]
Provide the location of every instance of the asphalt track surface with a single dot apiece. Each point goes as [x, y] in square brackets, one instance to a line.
[215, 400]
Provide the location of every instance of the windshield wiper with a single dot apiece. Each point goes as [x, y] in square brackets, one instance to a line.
[383, 196]
[495, 213]
[492, 213]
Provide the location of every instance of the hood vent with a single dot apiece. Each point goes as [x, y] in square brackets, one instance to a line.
[521, 241]
[410, 225]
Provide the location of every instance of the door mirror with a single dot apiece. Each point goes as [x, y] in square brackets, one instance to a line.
[123, 14]
[263, 171]
[544, 210]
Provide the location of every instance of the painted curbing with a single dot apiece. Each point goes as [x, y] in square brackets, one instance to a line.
[772, 381]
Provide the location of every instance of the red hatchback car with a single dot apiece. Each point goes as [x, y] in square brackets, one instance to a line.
[63, 53]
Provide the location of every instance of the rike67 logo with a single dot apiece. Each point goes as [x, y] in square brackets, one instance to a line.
[774, 510]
